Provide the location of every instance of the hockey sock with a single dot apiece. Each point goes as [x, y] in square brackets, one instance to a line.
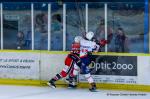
[76, 70]
[89, 78]
[57, 77]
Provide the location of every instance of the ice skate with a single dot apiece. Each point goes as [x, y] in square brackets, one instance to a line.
[71, 82]
[51, 84]
[93, 87]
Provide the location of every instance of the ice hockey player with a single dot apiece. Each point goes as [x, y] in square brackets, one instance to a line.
[71, 68]
[87, 46]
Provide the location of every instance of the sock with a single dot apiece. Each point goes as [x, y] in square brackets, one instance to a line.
[57, 77]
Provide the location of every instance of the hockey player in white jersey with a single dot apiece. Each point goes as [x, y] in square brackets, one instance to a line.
[87, 46]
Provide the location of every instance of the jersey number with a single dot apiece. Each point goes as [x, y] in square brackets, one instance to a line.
[84, 50]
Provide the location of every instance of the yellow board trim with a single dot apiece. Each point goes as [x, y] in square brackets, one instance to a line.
[108, 86]
[20, 82]
[66, 52]
[127, 87]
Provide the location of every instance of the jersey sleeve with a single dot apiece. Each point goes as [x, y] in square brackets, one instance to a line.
[95, 46]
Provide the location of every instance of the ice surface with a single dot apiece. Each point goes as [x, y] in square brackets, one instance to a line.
[32, 92]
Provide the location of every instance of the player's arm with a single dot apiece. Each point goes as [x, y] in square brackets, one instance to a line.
[103, 42]
[95, 47]
[75, 58]
[100, 44]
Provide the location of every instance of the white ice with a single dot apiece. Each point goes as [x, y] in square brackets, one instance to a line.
[32, 92]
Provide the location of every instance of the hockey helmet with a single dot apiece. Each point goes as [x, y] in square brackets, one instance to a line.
[77, 39]
[89, 35]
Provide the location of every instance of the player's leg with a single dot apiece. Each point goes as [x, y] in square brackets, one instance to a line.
[72, 79]
[68, 66]
[57, 77]
[85, 70]
[91, 82]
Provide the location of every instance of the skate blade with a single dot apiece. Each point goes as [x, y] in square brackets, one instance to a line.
[72, 87]
[51, 85]
[93, 90]
[67, 81]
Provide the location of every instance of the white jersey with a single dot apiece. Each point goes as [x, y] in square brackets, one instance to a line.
[86, 46]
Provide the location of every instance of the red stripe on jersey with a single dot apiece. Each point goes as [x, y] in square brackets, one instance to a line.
[68, 61]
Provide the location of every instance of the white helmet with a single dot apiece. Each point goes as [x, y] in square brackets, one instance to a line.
[89, 35]
[77, 39]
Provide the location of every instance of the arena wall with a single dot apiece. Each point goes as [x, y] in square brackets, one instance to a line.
[131, 71]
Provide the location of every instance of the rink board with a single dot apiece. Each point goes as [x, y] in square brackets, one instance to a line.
[21, 67]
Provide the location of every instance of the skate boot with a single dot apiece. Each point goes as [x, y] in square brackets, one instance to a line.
[71, 82]
[67, 80]
[51, 83]
[72, 86]
[93, 87]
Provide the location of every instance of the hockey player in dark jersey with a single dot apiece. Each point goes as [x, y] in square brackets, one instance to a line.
[71, 68]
